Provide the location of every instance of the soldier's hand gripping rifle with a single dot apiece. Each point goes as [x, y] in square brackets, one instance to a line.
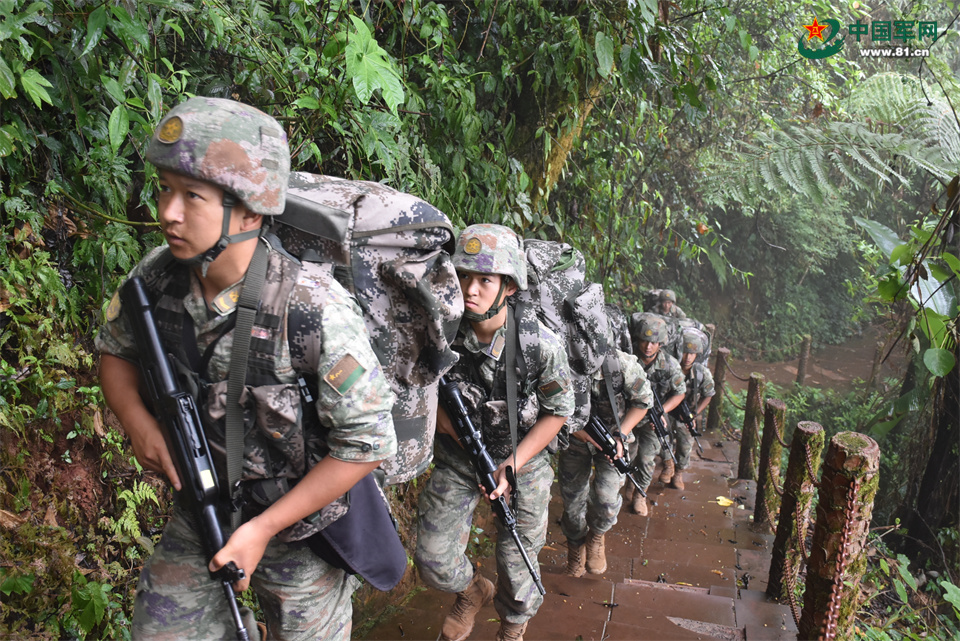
[598, 431]
[176, 411]
[472, 442]
[685, 415]
[660, 425]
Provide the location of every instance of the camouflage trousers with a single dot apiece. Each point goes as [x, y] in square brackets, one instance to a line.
[587, 502]
[682, 443]
[446, 511]
[302, 597]
[643, 448]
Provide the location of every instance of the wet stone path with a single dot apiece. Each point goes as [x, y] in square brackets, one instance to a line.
[695, 568]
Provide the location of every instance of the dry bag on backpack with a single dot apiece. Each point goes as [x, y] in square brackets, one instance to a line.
[391, 250]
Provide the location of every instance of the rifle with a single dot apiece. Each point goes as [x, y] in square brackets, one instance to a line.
[176, 411]
[659, 426]
[472, 442]
[685, 415]
[598, 431]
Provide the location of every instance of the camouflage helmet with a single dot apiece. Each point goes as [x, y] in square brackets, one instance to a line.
[668, 295]
[232, 145]
[492, 249]
[693, 343]
[653, 329]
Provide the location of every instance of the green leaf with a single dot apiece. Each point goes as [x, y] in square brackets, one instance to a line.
[939, 361]
[7, 81]
[604, 47]
[7, 140]
[885, 238]
[96, 24]
[370, 68]
[903, 567]
[33, 83]
[901, 591]
[118, 127]
[897, 255]
[307, 102]
[952, 262]
[952, 594]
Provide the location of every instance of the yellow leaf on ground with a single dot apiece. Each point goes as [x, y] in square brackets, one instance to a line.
[724, 501]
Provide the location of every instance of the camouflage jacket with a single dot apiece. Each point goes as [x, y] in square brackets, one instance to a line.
[665, 376]
[700, 384]
[481, 377]
[675, 311]
[351, 418]
[630, 385]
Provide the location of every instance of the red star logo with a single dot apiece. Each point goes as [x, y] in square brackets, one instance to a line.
[815, 29]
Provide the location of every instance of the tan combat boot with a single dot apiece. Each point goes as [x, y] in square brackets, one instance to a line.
[667, 472]
[639, 504]
[677, 481]
[459, 623]
[575, 559]
[596, 555]
[511, 631]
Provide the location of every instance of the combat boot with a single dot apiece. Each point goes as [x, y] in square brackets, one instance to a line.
[511, 631]
[575, 559]
[667, 472]
[639, 504]
[459, 623]
[596, 555]
[677, 481]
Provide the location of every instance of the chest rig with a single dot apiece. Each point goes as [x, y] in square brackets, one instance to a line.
[281, 436]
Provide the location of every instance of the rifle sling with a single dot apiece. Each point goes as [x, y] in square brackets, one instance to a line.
[246, 313]
[607, 372]
[510, 367]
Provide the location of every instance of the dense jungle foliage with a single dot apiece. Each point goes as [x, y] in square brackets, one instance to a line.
[683, 144]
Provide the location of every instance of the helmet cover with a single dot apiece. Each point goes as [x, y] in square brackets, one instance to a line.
[232, 145]
[653, 330]
[492, 249]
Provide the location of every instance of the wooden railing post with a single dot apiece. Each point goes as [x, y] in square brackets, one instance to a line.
[747, 468]
[804, 357]
[719, 374]
[799, 489]
[848, 486]
[768, 476]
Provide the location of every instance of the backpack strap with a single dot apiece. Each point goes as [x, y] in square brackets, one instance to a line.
[510, 367]
[246, 313]
[610, 366]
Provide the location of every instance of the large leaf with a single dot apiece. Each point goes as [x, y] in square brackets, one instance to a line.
[96, 24]
[119, 126]
[370, 68]
[885, 238]
[604, 46]
[939, 361]
[33, 83]
[8, 81]
[933, 295]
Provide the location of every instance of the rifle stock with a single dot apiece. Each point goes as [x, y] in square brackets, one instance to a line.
[176, 411]
[600, 433]
[472, 442]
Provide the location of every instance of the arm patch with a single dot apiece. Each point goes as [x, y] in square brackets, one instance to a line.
[342, 376]
[551, 389]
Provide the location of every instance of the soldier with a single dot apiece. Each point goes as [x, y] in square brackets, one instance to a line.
[666, 378]
[590, 506]
[667, 305]
[491, 265]
[223, 167]
[700, 390]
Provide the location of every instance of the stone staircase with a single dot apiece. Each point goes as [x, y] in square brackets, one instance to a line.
[694, 569]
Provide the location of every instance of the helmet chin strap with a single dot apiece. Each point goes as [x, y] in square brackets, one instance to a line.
[204, 259]
[494, 309]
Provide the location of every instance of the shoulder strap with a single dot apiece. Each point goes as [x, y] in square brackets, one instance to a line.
[609, 366]
[510, 365]
[246, 313]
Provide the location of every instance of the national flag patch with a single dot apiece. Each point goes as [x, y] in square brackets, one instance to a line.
[551, 389]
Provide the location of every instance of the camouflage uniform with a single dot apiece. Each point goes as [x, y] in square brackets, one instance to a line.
[300, 594]
[699, 382]
[450, 496]
[666, 378]
[595, 504]
[448, 501]
[665, 296]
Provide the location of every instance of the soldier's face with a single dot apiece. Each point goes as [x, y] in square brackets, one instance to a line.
[648, 350]
[191, 214]
[687, 361]
[667, 306]
[480, 290]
